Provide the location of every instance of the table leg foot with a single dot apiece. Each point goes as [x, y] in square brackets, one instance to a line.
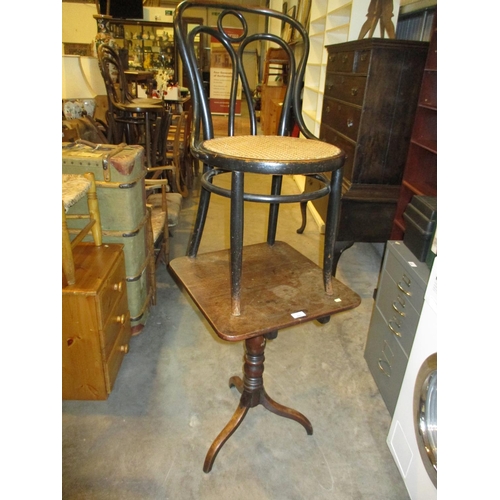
[224, 435]
[284, 411]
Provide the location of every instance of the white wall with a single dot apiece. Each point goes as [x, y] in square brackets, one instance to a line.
[78, 24]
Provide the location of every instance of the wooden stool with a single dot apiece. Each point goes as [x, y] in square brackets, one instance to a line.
[75, 187]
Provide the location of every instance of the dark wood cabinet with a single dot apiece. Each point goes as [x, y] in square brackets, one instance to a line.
[420, 174]
[370, 97]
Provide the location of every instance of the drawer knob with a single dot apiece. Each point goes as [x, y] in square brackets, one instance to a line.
[121, 319]
[124, 348]
[350, 122]
[118, 286]
[392, 329]
[354, 91]
[345, 58]
[331, 57]
[327, 109]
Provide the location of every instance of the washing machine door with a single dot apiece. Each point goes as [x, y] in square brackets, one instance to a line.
[425, 415]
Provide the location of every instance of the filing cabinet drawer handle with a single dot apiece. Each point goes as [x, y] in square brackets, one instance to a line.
[392, 329]
[406, 292]
[118, 286]
[395, 307]
[380, 361]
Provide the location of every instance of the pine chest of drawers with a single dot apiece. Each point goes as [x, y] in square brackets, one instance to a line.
[95, 322]
[370, 98]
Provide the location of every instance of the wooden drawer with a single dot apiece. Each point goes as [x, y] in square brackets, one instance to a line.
[332, 137]
[406, 283]
[400, 316]
[362, 61]
[114, 325]
[120, 348]
[342, 117]
[341, 61]
[113, 289]
[347, 88]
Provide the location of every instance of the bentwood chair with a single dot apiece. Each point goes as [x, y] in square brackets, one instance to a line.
[132, 120]
[249, 293]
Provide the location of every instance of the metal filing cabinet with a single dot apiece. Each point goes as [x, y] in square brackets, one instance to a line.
[399, 300]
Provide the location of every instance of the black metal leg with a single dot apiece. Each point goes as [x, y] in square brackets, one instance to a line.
[303, 212]
[237, 188]
[201, 217]
[277, 182]
[332, 223]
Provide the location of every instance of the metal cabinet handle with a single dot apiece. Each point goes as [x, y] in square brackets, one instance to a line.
[118, 286]
[406, 292]
[395, 307]
[120, 319]
[354, 91]
[380, 361]
[350, 122]
[392, 329]
[124, 348]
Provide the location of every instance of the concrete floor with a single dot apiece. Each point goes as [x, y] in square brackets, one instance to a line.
[171, 398]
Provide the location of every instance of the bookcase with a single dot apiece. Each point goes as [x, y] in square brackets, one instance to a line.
[420, 173]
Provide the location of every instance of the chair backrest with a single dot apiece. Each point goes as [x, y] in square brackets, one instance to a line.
[113, 74]
[239, 30]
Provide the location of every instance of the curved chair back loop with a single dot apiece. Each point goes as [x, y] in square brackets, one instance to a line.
[235, 44]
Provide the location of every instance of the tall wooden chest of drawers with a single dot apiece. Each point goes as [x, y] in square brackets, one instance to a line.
[95, 322]
[370, 98]
[400, 297]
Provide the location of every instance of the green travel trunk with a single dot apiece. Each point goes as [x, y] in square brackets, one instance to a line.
[119, 172]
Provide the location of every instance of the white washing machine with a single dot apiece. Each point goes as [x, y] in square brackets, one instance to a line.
[412, 436]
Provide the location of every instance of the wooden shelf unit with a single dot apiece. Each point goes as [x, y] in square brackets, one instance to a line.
[420, 174]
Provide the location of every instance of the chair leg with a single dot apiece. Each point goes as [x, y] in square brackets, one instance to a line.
[274, 209]
[237, 187]
[68, 264]
[94, 212]
[332, 224]
[201, 217]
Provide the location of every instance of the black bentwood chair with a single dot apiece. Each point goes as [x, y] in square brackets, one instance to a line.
[249, 293]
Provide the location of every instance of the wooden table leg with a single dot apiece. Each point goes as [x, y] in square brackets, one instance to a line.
[253, 393]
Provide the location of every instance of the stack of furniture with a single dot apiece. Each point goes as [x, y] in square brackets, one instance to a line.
[248, 293]
[95, 316]
[120, 173]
